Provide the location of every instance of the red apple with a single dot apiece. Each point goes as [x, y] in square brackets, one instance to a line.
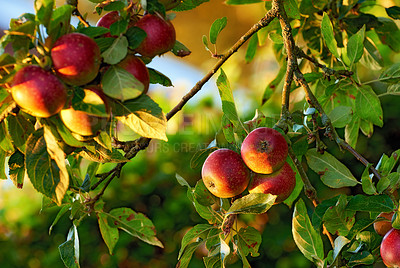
[76, 58]
[224, 173]
[264, 150]
[82, 122]
[38, 92]
[160, 37]
[137, 68]
[390, 248]
[382, 227]
[108, 19]
[280, 183]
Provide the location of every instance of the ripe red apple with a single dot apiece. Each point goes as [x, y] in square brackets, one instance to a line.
[137, 68]
[390, 248]
[280, 183]
[84, 123]
[108, 19]
[224, 173]
[264, 150]
[38, 92]
[382, 227]
[76, 58]
[160, 37]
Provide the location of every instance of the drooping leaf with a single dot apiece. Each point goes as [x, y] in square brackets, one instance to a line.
[102, 155]
[120, 84]
[393, 12]
[253, 203]
[307, 239]
[368, 105]
[248, 241]
[200, 230]
[339, 220]
[180, 50]
[217, 26]
[135, 36]
[135, 224]
[272, 86]
[64, 209]
[367, 184]
[109, 233]
[200, 156]
[59, 24]
[187, 255]
[339, 244]
[117, 51]
[157, 77]
[242, 2]
[69, 250]
[143, 116]
[355, 46]
[351, 131]
[19, 128]
[45, 166]
[251, 48]
[320, 210]
[44, 9]
[327, 34]
[332, 172]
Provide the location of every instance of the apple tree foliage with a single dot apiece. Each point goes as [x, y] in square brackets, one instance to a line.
[322, 48]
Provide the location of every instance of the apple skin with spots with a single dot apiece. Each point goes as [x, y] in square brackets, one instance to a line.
[264, 150]
[160, 37]
[224, 173]
[384, 226]
[38, 92]
[137, 68]
[280, 183]
[83, 123]
[76, 59]
[390, 248]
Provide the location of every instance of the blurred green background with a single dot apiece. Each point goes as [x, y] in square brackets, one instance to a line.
[148, 183]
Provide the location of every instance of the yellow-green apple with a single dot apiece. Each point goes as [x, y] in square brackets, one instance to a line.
[86, 123]
[264, 150]
[280, 183]
[390, 248]
[137, 68]
[160, 37]
[38, 92]
[224, 173]
[76, 58]
[382, 227]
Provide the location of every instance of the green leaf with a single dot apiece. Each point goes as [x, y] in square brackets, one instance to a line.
[187, 255]
[189, 4]
[367, 184]
[254, 203]
[16, 165]
[386, 164]
[351, 131]
[217, 26]
[135, 36]
[306, 238]
[109, 233]
[202, 195]
[299, 183]
[60, 213]
[180, 50]
[228, 129]
[60, 22]
[205, 42]
[198, 231]
[393, 89]
[355, 46]
[248, 241]
[273, 85]
[104, 43]
[19, 128]
[341, 116]
[327, 34]
[367, 127]
[135, 224]
[117, 51]
[382, 184]
[120, 84]
[119, 27]
[337, 219]
[372, 203]
[292, 9]
[93, 32]
[339, 244]
[5, 139]
[3, 175]
[391, 74]
[45, 166]
[44, 10]
[103, 155]
[388, 33]
[143, 116]
[368, 105]
[251, 48]
[114, 6]
[69, 250]
[393, 12]
[364, 258]
[228, 103]
[332, 172]
[157, 77]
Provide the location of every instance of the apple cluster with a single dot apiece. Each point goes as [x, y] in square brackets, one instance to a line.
[77, 67]
[260, 167]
